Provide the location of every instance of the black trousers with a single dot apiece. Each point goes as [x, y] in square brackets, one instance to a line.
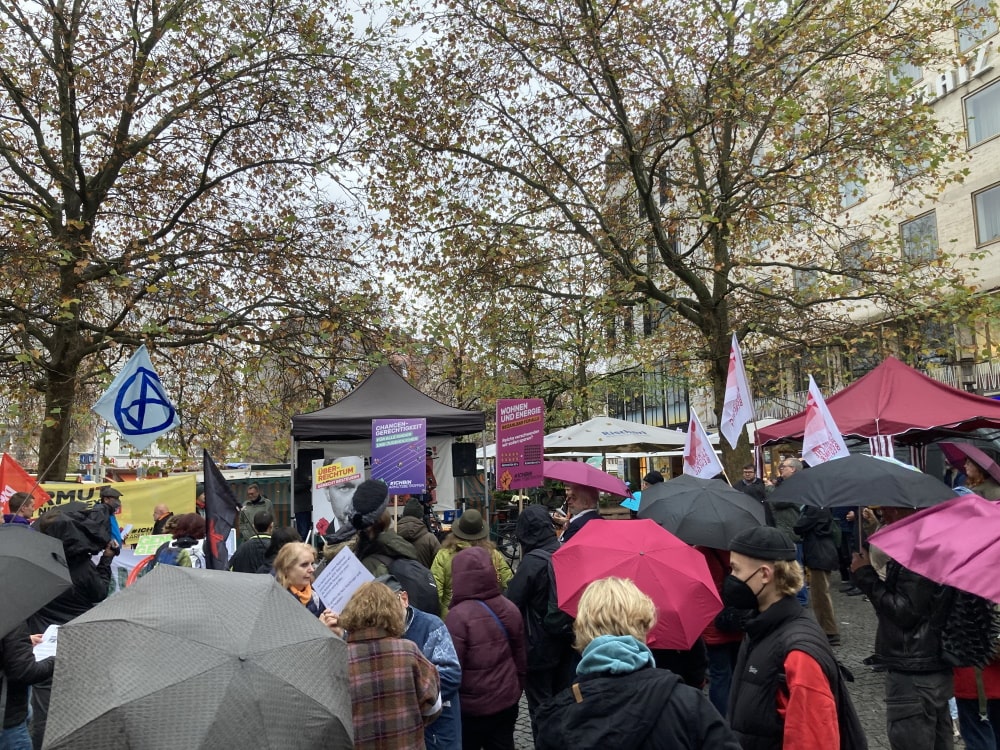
[916, 710]
[492, 732]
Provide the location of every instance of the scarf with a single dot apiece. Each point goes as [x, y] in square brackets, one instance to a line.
[304, 594]
[614, 654]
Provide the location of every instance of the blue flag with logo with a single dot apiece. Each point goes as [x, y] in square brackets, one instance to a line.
[136, 403]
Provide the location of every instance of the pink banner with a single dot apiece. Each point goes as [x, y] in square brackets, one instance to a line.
[520, 443]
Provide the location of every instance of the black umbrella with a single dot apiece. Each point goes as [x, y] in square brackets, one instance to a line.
[862, 480]
[33, 572]
[700, 511]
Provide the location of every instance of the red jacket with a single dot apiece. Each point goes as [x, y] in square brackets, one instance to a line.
[965, 681]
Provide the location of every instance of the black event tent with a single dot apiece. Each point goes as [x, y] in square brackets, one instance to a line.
[383, 395]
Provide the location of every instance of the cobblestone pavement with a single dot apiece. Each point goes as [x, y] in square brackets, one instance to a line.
[857, 631]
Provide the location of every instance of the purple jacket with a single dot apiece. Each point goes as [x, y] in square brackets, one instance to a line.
[494, 664]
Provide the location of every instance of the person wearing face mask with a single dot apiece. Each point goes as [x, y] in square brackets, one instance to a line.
[786, 690]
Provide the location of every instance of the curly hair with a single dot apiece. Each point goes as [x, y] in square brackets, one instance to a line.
[788, 577]
[287, 556]
[374, 605]
[613, 606]
[189, 524]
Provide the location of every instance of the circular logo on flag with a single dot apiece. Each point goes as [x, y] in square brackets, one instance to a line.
[142, 407]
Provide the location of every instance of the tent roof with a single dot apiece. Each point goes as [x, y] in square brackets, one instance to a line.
[383, 395]
[606, 435]
[894, 399]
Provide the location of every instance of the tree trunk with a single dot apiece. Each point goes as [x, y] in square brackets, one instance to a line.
[60, 399]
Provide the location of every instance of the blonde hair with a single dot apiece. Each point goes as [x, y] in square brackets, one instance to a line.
[788, 576]
[286, 559]
[613, 606]
[374, 605]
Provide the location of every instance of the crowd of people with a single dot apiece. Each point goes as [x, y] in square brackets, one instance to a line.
[447, 637]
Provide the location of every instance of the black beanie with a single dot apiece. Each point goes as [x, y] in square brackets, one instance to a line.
[414, 508]
[371, 498]
[763, 543]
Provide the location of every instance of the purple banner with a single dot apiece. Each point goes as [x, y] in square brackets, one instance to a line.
[520, 442]
[399, 454]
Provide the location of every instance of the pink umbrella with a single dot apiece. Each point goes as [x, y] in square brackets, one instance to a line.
[670, 572]
[956, 543]
[956, 453]
[577, 472]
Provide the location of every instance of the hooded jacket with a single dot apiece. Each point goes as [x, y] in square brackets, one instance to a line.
[492, 653]
[819, 550]
[441, 568]
[385, 548]
[643, 708]
[415, 531]
[529, 588]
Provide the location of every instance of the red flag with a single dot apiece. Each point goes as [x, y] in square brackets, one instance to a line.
[220, 515]
[699, 455]
[13, 479]
[821, 440]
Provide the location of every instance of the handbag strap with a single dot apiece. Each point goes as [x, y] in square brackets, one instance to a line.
[494, 614]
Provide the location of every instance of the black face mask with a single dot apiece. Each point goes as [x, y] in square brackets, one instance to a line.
[736, 593]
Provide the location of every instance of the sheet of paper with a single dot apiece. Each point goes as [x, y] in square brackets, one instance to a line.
[340, 579]
[47, 647]
[149, 544]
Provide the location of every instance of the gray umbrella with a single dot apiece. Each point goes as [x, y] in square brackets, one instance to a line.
[33, 572]
[700, 511]
[199, 658]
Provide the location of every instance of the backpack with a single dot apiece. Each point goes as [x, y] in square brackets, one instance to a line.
[418, 583]
[968, 626]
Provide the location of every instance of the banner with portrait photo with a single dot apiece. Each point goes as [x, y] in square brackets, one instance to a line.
[333, 483]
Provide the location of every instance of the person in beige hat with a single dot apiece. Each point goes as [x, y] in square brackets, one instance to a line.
[470, 530]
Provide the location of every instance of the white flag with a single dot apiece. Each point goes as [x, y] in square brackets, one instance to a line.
[136, 403]
[699, 456]
[738, 407]
[821, 440]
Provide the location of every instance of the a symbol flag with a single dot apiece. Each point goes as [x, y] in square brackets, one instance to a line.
[13, 478]
[821, 439]
[221, 508]
[699, 456]
[137, 404]
[738, 407]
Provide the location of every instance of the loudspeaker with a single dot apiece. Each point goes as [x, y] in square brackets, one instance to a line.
[463, 460]
[303, 478]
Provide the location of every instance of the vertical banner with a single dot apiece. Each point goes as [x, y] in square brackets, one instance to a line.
[333, 483]
[399, 454]
[520, 443]
[821, 439]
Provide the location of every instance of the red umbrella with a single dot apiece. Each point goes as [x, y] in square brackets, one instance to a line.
[578, 472]
[956, 453]
[956, 543]
[673, 574]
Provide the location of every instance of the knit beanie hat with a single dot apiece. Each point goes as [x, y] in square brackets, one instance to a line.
[370, 500]
[414, 508]
[763, 543]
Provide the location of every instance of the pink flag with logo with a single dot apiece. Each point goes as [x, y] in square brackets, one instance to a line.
[738, 407]
[821, 440]
[699, 456]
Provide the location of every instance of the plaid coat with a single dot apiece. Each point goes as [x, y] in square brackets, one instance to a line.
[394, 691]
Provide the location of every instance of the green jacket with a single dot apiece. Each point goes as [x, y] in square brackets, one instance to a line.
[441, 568]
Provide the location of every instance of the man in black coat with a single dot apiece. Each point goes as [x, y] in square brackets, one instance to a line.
[19, 670]
[819, 555]
[753, 486]
[581, 502]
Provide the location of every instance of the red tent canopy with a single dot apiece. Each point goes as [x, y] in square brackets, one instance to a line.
[894, 399]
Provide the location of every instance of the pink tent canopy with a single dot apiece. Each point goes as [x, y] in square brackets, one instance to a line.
[894, 399]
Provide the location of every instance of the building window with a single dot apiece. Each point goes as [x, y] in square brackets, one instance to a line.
[852, 189]
[919, 238]
[987, 205]
[805, 281]
[904, 71]
[978, 23]
[982, 114]
[856, 259]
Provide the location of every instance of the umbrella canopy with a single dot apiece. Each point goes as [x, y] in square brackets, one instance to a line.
[956, 453]
[199, 658]
[701, 511]
[577, 472]
[33, 572]
[862, 480]
[673, 574]
[606, 435]
[956, 543]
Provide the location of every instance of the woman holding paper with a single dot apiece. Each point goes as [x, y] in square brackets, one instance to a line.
[293, 570]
